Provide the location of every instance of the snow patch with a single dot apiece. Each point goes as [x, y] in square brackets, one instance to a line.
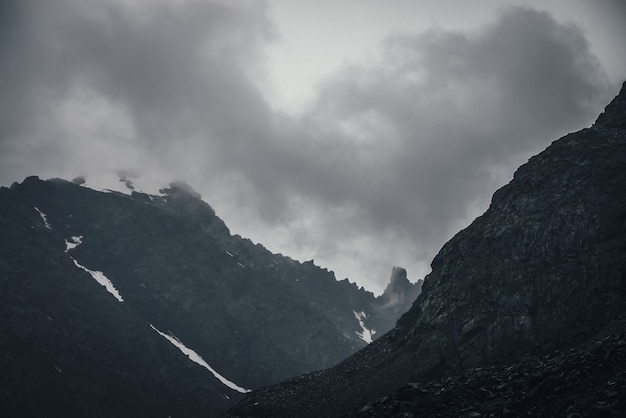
[102, 279]
[73, 243]
[367, 334]
[229, 253]
[44, 218]
[124, 182]
[97, 275]
[195, 357]
[241, 265]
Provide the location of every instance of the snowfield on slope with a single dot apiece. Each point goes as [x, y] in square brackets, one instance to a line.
[366, 334]
[44, 218]
[195, 357]
[98, 276]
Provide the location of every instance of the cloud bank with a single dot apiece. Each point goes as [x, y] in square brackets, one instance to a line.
[390, 159]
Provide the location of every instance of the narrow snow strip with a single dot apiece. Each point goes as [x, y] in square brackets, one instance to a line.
[195, 357]
[229, 253]
[73, 243]
[367, 334]
[241, 265]
[103, 190]
[102, 279]
[44, 218]
[97, 275]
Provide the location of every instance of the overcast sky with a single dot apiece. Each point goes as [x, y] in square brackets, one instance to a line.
[360, 133]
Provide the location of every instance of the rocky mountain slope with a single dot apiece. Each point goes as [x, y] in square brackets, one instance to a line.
[129, 304]
[544, 269]
[586, 381]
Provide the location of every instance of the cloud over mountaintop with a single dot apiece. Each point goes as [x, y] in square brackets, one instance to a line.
[390, 159]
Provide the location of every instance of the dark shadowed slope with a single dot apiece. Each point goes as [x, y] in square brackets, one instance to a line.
[70, 346]
[542, 270]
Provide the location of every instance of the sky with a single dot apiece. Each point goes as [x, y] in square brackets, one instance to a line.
[362, 134]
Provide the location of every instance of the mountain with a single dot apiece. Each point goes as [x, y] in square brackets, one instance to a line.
[133, 304]
[542, 271]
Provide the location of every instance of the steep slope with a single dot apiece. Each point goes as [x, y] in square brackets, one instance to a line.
[542, 270]
[103, 295]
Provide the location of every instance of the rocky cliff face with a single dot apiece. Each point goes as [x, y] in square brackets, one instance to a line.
[542, 270]
[104, 295]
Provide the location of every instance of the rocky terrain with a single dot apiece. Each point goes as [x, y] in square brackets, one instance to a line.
[585, 381]
[130, 304]
[541, 273]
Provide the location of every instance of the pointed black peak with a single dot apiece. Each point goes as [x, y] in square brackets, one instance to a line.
[398, 285]
[398, 276]
[614, 115]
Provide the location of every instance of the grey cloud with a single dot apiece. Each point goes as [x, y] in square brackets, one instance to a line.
[460, 105]
[386, 164]
[176, 71]
[446, 118]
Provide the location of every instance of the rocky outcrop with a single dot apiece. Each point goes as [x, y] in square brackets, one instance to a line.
[397, 297]
[542, 270]
[400, 290]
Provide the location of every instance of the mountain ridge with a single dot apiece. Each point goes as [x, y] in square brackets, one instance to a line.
[251, 316]
[543, 269]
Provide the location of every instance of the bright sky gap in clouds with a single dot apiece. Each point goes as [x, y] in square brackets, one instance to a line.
[360, 133]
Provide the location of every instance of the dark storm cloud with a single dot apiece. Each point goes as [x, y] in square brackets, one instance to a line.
[453, 107]
[386, 164]
[174, 70]
[413, 148]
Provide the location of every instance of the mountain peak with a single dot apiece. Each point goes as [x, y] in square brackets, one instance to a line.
[400, 292]
[398, 282]
[104, 285]
[614, 115]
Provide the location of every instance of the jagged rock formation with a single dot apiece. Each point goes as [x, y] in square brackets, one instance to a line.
[399, 294]
[173, 274]
[542, 270]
